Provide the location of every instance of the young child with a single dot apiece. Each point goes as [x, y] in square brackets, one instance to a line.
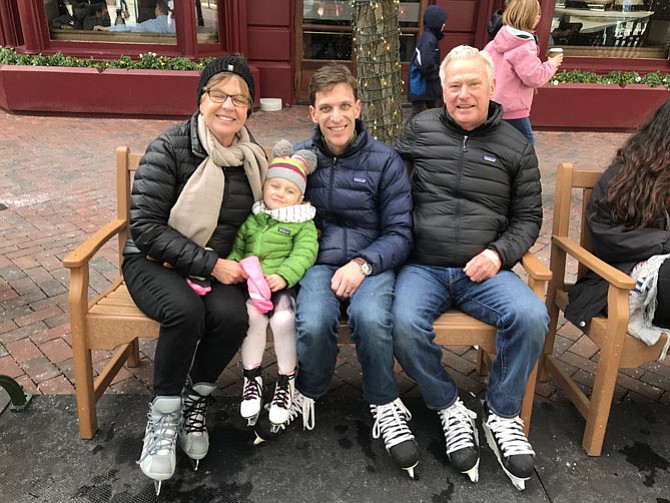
[275, 246]
[424, 78]
[518, 67]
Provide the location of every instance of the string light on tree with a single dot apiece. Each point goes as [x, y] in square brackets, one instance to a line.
[377, 44]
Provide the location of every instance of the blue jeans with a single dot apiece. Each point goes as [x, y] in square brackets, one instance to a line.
[317, 320]
[523, 125]
[505, 301]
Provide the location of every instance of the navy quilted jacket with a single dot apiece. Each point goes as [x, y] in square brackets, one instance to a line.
[363, 202]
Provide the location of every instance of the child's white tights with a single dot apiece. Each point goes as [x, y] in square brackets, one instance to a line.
[282, 323]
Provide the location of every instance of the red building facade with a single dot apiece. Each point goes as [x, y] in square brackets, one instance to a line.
[285, 40]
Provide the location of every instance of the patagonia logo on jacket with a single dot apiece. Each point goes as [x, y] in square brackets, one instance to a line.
[360, 179]
[284, 230]
[490, 158]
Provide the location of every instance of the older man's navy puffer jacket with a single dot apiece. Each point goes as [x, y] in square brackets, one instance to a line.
[363, 202]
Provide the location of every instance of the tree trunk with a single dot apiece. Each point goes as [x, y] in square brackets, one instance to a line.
[377, 45]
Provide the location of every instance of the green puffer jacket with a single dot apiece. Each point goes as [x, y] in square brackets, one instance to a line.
[286, 245]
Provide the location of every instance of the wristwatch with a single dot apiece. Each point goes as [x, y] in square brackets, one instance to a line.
[366, 268]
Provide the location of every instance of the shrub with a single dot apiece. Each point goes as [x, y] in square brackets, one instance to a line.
[148, 61]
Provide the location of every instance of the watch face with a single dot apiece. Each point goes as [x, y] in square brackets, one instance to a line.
[366, 268]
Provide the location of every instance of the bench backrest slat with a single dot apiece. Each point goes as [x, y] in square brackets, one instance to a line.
[568, 180]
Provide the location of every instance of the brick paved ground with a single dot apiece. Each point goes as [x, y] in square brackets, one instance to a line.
[57, 187]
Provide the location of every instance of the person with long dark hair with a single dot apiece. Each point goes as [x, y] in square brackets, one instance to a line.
[627, 215]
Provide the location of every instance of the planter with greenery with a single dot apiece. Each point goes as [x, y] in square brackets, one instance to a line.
[584, 100]
[149, 85]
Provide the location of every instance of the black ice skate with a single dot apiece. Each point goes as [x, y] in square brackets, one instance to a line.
[391, 424]
[510, 445]
[462, 438]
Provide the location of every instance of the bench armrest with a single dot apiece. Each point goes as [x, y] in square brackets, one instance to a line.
[85, 251]
[610, 274]
[535, 268]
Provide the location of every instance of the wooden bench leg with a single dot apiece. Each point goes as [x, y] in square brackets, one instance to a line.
[83, 375]
[527, 404]
[483, 365]
[134, 354]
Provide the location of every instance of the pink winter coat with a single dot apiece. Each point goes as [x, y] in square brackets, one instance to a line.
[518, 71]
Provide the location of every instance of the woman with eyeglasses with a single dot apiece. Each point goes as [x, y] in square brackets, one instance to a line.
[193, 189]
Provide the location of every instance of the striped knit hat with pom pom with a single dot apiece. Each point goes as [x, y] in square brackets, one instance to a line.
[292, 167]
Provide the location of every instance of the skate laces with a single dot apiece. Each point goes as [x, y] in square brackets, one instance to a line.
[306, 406]
[509, 435]
[195, 411]
[161, 434]
[391, 422]
[281, 396]
[252, 389]
[301, 406]
[458, 425]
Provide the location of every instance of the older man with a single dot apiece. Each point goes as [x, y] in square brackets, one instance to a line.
[478, 209]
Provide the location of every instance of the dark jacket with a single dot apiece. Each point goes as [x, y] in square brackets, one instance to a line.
[363, 202]
[494, 24]
[618, 245]
[426, 59]
[472, 190]
[164, 170]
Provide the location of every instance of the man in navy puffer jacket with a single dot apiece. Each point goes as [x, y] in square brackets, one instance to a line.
[363, 202]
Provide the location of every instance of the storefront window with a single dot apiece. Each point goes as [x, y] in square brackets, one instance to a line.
[327, 29]
[612, 28]
[126, 21]
[207, 21]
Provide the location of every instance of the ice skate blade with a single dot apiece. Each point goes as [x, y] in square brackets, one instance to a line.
[410, 470]
[473, 473]
[258, 440]
[157, 487]
[251, 421]
[195, 464]
[518, 482]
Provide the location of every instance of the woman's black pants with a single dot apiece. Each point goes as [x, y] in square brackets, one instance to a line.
[198, 335]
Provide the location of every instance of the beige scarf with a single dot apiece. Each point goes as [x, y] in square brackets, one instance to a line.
[196, 212]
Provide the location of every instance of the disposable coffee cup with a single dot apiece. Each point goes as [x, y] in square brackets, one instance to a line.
[555, 50]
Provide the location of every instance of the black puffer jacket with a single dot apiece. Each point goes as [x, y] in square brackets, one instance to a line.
[619, 245]
[472, 190]
[166, 166]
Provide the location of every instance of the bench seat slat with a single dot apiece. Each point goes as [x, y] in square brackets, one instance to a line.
[117, 320]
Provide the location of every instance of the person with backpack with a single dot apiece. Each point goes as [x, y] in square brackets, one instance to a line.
[424, 79]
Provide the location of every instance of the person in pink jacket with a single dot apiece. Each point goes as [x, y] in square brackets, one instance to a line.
[518, 68]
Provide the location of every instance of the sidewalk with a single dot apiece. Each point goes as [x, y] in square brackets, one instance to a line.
[57, 187]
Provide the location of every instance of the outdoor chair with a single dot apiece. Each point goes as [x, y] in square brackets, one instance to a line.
[111, 321]
[618, 349]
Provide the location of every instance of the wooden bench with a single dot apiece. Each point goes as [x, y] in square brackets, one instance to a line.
[618, 349]
[111, 321]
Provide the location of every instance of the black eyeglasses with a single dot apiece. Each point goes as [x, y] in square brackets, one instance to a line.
[239, 100]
